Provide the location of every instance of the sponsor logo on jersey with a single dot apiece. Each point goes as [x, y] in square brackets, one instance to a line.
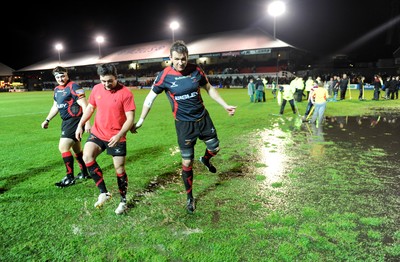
[186, 96]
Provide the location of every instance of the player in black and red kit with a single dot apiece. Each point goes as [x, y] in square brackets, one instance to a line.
[182, 82]
[69, 101]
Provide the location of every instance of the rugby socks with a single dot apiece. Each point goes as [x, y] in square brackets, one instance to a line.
[81, 163]
[69, 163]
[97, 175]
[187, 177]
[208, 154]
[122, 180]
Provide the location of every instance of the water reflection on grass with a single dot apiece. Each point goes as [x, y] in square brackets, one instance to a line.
[345, 172]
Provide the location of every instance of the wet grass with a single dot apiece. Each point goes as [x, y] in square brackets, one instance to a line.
[330, 200]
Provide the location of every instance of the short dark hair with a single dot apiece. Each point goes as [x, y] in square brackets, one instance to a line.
[107, 69]
[59, 70]
[180, 47]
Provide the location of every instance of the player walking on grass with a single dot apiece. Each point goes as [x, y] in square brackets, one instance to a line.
[115, 116]
[70, 102]
[182, 82]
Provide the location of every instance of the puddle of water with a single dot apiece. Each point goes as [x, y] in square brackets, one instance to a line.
[273, 155]
[380, 131]
[347, 164]
[351, 134]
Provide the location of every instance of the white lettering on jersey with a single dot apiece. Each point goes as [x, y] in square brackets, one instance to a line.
[186, 96]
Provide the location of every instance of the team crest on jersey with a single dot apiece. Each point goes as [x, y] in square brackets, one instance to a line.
[174, 84]
[62, 91]
[194, 79]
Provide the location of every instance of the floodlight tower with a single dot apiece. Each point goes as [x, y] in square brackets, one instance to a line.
[275, 9]
[59, 47]
[174, 25]
[99, 40]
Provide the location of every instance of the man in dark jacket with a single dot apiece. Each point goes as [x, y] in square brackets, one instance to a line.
[343, 84]
[259, 90]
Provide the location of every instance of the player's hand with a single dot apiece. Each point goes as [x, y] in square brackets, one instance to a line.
[45, 124]
[114, 140]
[134, 128]
[88, 127]
[78, 133]
[231, 110]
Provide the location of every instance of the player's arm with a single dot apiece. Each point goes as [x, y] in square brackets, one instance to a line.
[213, 93]
[130, 119]
[148, 102]
[87, 114]
[83, 103]
[53, 112]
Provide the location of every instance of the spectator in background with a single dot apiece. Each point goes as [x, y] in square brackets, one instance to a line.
[299, 89]
[265, 82]
[330, 84]
[115, 116]
[377, 83]
[335, 85]
[318, 97]
[259, 90]
[309, 85]
[392, 87]
[360, 81]
[310, 103]
[70, 101]
[274, 88]
[288, 95]
[386, 87]
[343, 85]
[251, 89]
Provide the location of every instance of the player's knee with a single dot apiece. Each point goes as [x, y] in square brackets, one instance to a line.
[215, 151]
[187, 154]
[187, 162]
[212, 145]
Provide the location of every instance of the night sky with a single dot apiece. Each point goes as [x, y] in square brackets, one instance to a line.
[366, 30]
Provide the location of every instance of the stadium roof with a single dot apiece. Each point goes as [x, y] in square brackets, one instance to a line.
[249, 41]
[5, 70]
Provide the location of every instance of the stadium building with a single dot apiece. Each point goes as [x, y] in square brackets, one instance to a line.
[222, 55]
[228, 58]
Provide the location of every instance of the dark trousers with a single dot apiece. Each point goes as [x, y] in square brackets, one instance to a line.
[361, 94]
[343, 93]
[376, 94]
[299, 95]
[291, 102]
[308, 108]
